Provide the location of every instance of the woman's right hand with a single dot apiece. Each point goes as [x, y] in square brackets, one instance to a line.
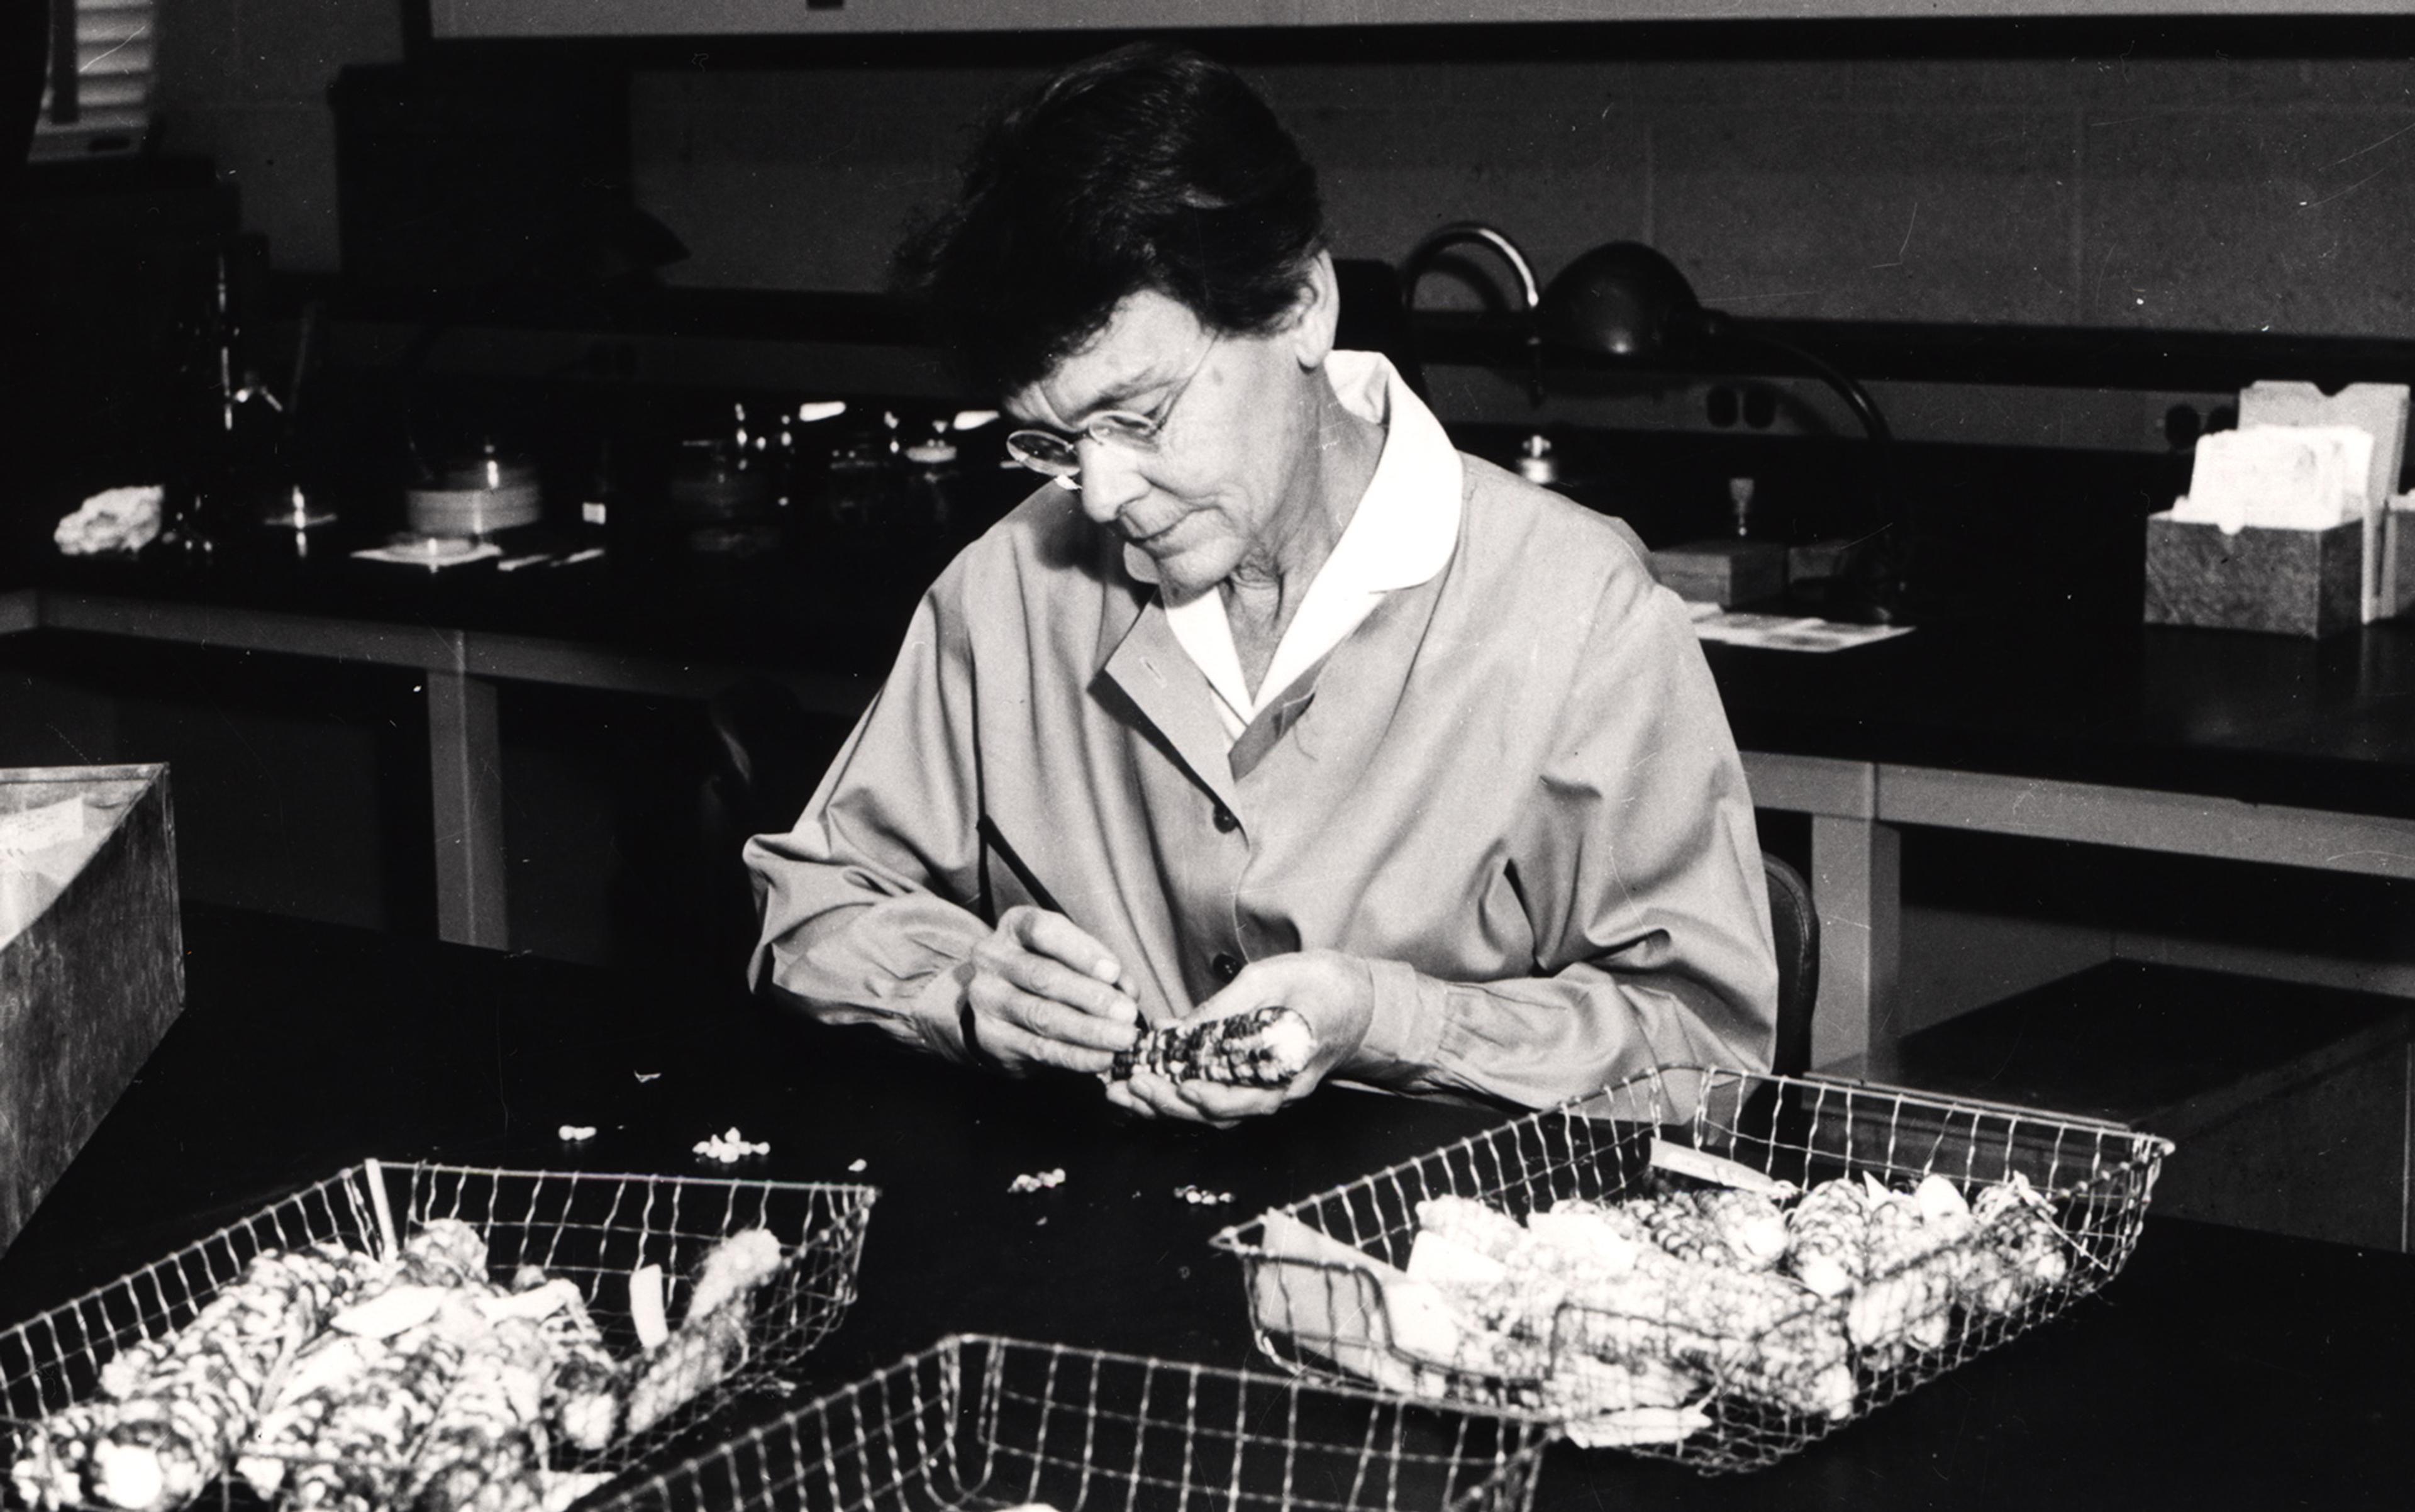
[1040, 992]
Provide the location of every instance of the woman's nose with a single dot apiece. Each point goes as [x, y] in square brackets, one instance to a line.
[1110, 479]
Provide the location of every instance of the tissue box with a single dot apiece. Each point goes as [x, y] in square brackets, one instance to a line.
[92, 959]
[2287, 582]
[2379, 411]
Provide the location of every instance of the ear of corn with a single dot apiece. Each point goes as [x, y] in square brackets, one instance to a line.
[1647, 1302]
[172, 1409]
[333, 1381]
[711, 1342]
[1257, 1047]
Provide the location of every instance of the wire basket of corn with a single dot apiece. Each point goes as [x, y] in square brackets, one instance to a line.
[429, 1336]
[1707, 1265]
[976, 1423]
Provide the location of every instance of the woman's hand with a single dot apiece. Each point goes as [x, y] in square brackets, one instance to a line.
[1334, 992]
[1040, 992]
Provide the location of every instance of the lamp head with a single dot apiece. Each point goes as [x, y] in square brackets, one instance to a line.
[1625, 300]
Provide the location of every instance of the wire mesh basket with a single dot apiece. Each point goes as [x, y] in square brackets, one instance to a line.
[1698, 1357]
[976, 1423]
[594, 1229]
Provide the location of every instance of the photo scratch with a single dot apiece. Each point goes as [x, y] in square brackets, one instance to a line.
[2309, 204]
[2401, 858]
[1779, 293]
[90, 64]
[2383, 143]
[1907, 240]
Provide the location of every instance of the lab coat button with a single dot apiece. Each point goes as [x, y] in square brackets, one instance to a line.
[1226, 968]
[1225, 821]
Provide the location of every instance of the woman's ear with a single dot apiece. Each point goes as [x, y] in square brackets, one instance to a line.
[1318, 313]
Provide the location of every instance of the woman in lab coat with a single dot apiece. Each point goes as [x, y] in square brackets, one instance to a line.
[1268, 696]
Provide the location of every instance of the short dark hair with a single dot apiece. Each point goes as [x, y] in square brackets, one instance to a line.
[1144, 168]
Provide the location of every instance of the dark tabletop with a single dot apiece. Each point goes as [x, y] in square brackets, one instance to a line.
[2222, 1368]
[2264, 718]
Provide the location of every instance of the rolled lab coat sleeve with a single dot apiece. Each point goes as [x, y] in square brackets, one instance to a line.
[1641, 881]
[860, 921]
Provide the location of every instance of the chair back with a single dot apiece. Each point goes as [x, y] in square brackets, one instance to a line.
[764, 757]
[1795, 926]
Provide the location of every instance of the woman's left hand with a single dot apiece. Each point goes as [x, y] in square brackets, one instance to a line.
[1333, 991]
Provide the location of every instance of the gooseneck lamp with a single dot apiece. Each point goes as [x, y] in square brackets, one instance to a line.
[1442, 239]
[1627, 302]
[1535, 459]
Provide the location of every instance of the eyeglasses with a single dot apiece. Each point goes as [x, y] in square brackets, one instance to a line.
[1054, 455]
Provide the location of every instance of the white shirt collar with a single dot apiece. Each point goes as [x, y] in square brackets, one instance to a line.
[1414, 497]
[1401, 534]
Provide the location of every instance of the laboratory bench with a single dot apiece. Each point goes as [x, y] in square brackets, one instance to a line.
[2221, 1369]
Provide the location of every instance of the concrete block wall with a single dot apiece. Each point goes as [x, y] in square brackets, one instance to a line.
[2175, 192]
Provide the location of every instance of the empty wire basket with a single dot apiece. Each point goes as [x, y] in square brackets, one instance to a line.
[594, 1229]
[1911, 1233]
[975, 1423]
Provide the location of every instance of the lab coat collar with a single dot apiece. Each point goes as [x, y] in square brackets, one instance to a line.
[1401, 536]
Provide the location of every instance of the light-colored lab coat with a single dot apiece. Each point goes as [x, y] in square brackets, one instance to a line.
[1511, 790]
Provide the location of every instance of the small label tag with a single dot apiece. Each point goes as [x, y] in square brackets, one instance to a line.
[595, 512]
[1686, 1160]
[646, 1306]
[33, 830]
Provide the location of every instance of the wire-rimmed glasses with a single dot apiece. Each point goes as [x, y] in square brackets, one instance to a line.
[1058, 456]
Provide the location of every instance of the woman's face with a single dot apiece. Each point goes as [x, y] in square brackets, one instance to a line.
[1222, 483]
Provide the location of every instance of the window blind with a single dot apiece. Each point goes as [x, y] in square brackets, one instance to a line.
[97, 92]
